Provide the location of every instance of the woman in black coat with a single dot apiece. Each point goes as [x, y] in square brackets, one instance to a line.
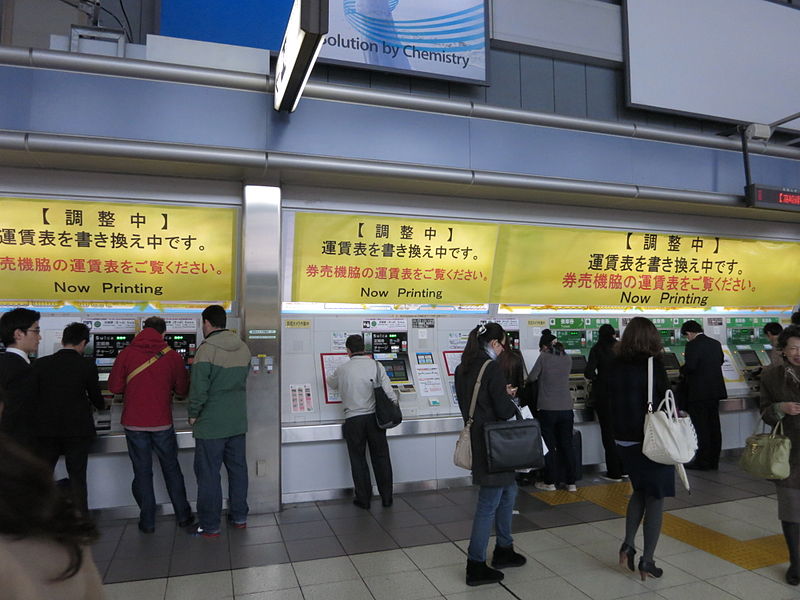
[601, 357]
[497, 490]
[652, 482]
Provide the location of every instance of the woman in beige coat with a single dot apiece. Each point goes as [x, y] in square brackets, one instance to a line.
[43, 537]
[780, 400]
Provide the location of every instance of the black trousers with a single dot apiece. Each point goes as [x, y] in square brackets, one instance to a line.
[613, 461]
[360, 432]
[75, 451]
[705, 418]
[557, 433]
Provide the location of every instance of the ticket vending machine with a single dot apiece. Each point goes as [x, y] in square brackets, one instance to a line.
[749, 347]
[107, 339]
[571, 332]
[390, 348]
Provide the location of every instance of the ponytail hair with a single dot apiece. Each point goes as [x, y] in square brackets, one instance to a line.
[478, 338]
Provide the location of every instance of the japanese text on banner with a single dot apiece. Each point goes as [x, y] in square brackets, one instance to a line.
[558, 266]
[63, 250]
[367, 259]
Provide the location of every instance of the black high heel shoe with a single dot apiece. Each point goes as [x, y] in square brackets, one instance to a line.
[649, 568]
[792, 577]
[626, 554]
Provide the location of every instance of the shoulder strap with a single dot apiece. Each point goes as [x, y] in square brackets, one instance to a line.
[650, 384]
[146, 364]
[475, 391]
[377, 382]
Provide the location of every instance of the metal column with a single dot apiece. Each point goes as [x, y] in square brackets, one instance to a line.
[261, 330]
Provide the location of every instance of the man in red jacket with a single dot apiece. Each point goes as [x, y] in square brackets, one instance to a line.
[147, 372]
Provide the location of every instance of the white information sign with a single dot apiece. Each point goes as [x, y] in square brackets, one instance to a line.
[429, 382]
[385, 325]
[301, 398]
[329, 364]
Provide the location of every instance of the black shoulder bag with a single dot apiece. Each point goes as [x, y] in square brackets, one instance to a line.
[387, 411]
[514, 444]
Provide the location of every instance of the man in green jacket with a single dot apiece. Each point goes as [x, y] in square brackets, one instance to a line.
[218, 416]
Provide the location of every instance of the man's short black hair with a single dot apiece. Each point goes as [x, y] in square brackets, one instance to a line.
[18, 318]
[74, 334]
[773, 328]
[354, 343]
[796, 318]
[215, 315]
[157, 323]
[691, 326]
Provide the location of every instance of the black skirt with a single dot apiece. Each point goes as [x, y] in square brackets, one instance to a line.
[655, 479]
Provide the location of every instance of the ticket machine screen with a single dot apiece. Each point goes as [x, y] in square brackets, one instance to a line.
[184, 344]
[578, 364]
[671, 361]
[750, 358]
[107, 346]
[383, 342]
[396, 370]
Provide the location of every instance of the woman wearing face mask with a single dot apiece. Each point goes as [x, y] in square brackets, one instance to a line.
[555, 411]
[497, 490]
[780, 400]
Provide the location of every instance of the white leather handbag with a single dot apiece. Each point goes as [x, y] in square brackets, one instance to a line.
[669, 439]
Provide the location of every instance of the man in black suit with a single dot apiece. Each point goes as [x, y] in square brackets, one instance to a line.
[20, 334]
[66, 384]
[704, 388]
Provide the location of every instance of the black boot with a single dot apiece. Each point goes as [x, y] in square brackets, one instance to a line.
[506, 557]
[648, 568]
[791, 533]
[479, 573]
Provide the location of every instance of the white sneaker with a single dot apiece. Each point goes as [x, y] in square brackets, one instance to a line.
[614, 479]
[545, 487]
[572, 488]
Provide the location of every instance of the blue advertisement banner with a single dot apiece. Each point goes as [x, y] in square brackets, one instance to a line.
[444, 39]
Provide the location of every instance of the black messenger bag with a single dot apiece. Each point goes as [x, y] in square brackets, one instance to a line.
[387, 411]
[514, 444]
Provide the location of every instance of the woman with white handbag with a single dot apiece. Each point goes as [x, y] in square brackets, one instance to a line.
[628, 392]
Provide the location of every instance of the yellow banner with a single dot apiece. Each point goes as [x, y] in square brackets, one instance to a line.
[78, 251]
[586, 267]
[374, 260]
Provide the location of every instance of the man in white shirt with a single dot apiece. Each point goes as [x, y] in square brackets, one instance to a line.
[354, 381]
[20, 334]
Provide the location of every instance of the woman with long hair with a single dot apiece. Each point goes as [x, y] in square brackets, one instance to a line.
[497, 491]
[628, 390]
[43, 536]
[780, 401]
[601, 356]
[555, 412]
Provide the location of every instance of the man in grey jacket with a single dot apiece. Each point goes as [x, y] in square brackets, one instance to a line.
[354, 381]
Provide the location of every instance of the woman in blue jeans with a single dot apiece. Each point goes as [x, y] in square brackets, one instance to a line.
[497, 490]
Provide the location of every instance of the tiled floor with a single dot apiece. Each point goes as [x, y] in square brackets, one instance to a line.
[720, 542]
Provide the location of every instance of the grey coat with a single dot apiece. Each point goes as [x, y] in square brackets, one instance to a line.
[552, 371]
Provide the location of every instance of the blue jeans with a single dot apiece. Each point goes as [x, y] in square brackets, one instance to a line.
[495, 506]
[209, 455]
[141, 445]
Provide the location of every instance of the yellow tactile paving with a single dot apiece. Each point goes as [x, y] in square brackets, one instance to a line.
[748, 554]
